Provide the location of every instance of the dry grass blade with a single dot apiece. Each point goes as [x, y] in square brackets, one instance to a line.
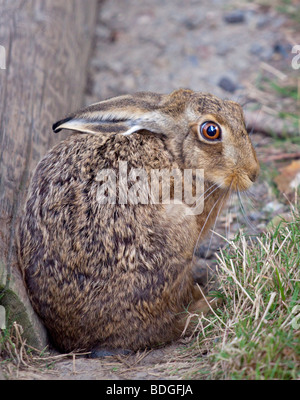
[232, 275]
[272, 297]
[210, 307]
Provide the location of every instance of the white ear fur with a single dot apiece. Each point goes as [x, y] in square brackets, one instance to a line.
[132, 130]
[113, 121]
[79, 125]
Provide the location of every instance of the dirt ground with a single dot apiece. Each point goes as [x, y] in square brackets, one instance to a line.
[222, 47]
[159, 364]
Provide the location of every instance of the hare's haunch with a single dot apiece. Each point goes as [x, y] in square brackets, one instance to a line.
[105, 260]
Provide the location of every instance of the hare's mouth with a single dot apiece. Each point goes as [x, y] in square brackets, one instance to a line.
[239, 182]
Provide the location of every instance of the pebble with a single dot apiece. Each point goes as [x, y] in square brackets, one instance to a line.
[255, 216]
[278, 22]
[227, 84]
[263, 21]
[273, 206]
[234, 17]
[223, 48]
[267, 54]
[192, 23]
[283, 48]
[256, 49]
[264, 53]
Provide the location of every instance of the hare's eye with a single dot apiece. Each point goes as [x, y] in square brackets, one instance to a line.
[210, 130]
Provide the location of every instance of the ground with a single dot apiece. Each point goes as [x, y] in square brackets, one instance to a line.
[235, 49]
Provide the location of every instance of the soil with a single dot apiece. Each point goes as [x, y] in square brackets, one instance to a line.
[158, 364]
[216, 46]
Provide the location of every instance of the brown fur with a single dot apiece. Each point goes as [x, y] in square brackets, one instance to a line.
[120, 275]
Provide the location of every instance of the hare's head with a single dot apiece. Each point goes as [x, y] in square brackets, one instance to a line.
[200, 130]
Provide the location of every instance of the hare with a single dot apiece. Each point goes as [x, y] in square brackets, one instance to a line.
[118, 274]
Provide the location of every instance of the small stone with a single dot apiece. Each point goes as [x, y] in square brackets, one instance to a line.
[267, 54]
[190, 24]
[278, 22]
[227, 84]
[273, 206]
[235, 17]
[262, 21]
[282, 48]
[255, 216]
[223, 48]
[256, 49]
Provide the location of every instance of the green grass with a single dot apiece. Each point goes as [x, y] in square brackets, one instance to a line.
[288, 92]
[290, 8]
[280, 97]
[255, 334]
[285, 91]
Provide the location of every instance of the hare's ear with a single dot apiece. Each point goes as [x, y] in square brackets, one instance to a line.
[124, 114]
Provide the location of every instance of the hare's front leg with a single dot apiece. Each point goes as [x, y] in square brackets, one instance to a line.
[200, 306]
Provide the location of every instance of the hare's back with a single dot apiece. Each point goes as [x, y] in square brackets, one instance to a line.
[67, 225]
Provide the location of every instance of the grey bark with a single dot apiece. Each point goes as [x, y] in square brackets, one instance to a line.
[46, 44]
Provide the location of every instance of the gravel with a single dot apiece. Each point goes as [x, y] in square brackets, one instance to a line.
[235, 17]
[161, 46]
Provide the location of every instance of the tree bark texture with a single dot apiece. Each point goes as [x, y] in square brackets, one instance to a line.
[46, 45]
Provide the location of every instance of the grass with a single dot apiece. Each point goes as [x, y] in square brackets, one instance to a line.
[290, 8]
[16, 355]
[13, 347]
[276, 88]
[281, 100]
[255, 334]
[290, 111]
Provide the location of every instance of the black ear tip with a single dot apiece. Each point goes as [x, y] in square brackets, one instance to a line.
[55, 127]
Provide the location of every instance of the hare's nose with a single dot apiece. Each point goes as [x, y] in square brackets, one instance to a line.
[253, 174]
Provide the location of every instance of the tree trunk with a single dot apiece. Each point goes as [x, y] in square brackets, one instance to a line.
[44, 46]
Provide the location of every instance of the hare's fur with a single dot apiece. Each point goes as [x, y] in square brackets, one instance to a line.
[119, 275]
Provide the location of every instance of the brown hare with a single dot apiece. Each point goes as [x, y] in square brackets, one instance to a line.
[107, 270]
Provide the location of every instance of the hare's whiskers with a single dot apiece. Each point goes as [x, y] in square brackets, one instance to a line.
[212, 231]
[248, 194]
[218, 187]
[227, 218]
[215, 186]
[228, 213]
[248, 222]
[237, 216]
[205, 222]
[237, 98]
